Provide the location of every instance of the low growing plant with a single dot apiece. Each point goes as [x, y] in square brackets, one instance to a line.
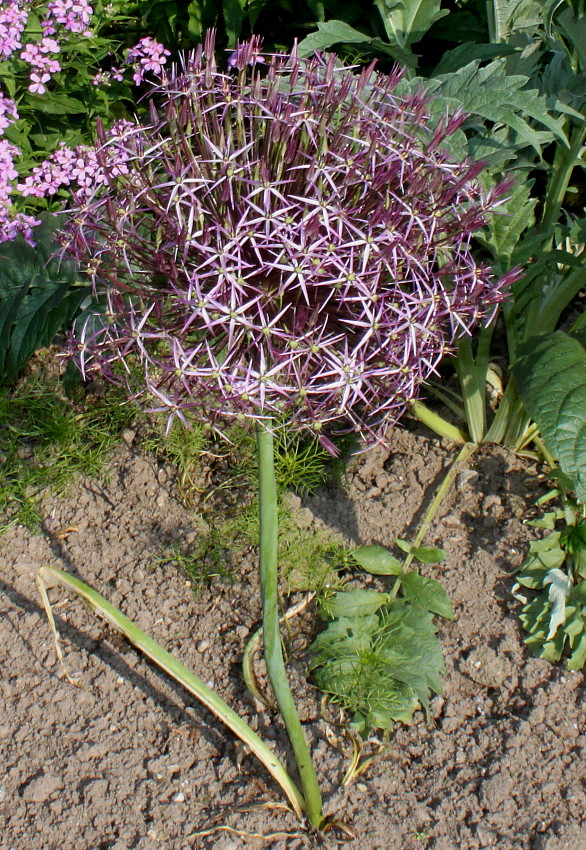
[379, 656]
[285, 243]
[551, 585]
[47, 441]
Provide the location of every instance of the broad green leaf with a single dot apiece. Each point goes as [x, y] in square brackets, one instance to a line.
[337, 32]
[380, 667]
[574, 28]
[424, 554]
[551, 379]
[38, 297]
[578, 657]
[52, 103]
[377, 560]
[354, 603]
[428, 554]
[428, 593]
[462, 55]
[544, 544]
[234, 11]
[407, 21]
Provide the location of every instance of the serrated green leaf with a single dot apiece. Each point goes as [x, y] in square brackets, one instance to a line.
[574, 624]
[578, 594]
[428, 593]
[506, 225]
[548, 520]
[354, 603]
[509, 16]
[551, 378]
[552, 650]
[380, 667]
[578, 657]
[574, 28]
[330, 33]
[491, 94]
[535, 616]
[377, 560]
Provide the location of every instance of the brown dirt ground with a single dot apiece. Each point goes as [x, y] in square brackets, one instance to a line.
[129, 761]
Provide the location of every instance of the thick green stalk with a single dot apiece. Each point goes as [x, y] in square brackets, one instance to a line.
[273, 650]
[437, 423]
[563, 165]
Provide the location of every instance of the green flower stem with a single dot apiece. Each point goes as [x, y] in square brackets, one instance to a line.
[463, 455]
[271, 634]
[564, 162]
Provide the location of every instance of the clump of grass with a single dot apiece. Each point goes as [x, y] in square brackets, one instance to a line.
[47, 440]
[229, 507]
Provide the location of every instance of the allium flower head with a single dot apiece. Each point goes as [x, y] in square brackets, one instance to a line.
[287, 239]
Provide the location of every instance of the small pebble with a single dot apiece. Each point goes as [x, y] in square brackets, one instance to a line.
[128, 435]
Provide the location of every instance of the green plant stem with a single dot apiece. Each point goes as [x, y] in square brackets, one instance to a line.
[463, 455]
[174, 668]
[564, 162]
[437, 423]
[273, 650]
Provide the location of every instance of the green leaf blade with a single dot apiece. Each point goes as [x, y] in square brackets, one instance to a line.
[377, 560]
[428, 593]
[551, 378]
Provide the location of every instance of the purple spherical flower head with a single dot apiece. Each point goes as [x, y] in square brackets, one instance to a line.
[288, 239]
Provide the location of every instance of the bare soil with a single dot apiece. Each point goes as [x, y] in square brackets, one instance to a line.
[127, 761]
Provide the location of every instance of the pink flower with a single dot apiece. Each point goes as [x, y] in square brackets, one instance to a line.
[37, 85]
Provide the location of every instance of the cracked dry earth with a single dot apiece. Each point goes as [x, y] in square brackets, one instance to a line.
[128, 761]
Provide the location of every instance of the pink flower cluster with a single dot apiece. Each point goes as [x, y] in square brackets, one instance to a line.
[73, 15]
[147, 55]
[288, 241]
[8, 113]
[61, 21]
[13, 18]
[77, 168]
[11, 223]
[42, 63]
[63, 17]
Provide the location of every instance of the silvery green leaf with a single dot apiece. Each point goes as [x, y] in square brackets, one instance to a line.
[560, 588]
